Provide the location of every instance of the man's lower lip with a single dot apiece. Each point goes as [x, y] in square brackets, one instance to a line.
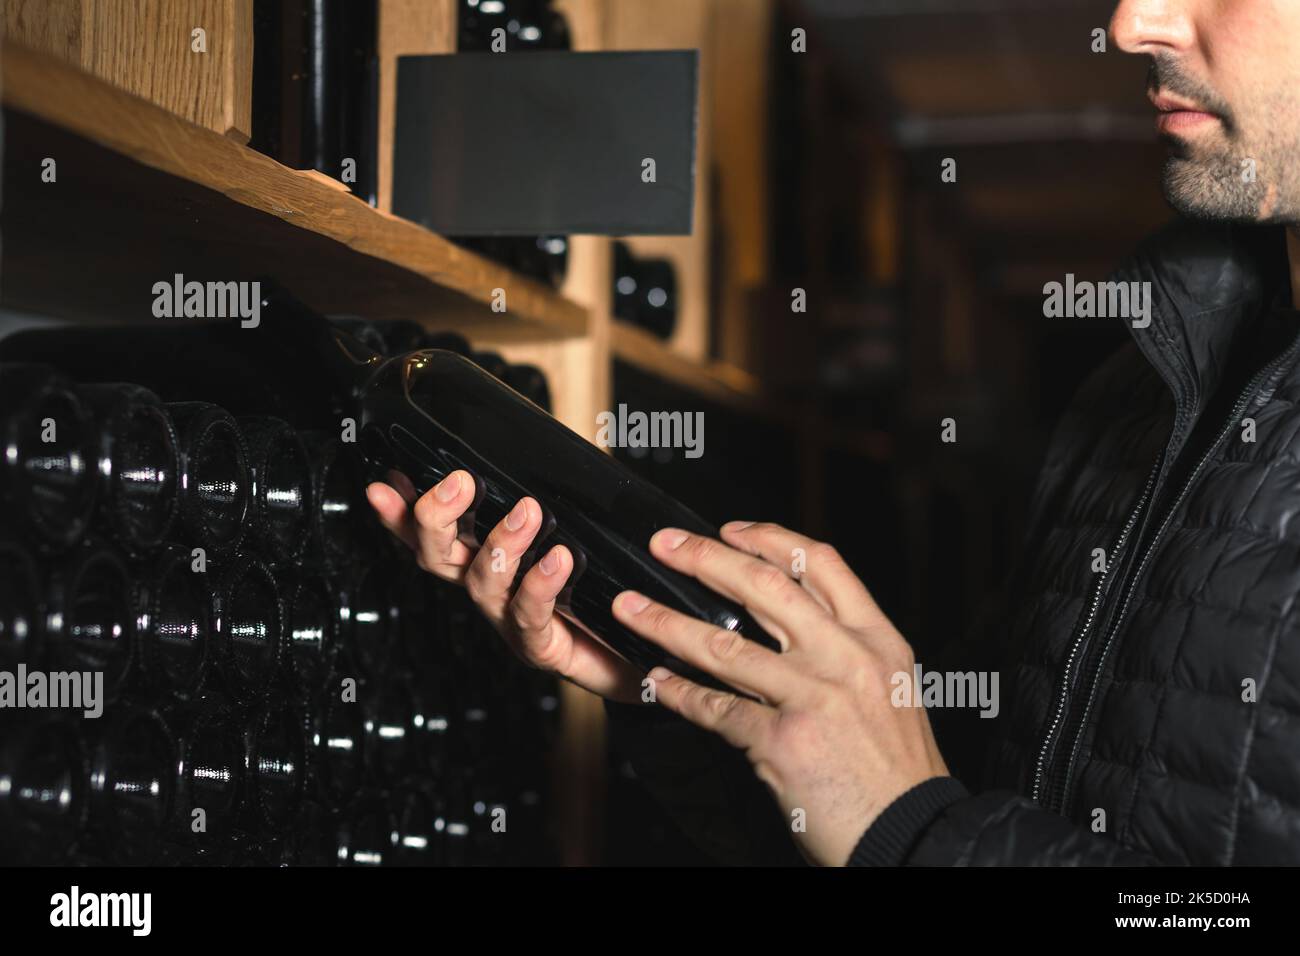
[1179, 121]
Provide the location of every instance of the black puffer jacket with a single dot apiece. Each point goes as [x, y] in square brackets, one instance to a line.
[1150, 713]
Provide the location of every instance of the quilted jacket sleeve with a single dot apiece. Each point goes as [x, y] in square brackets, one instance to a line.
[939, 823]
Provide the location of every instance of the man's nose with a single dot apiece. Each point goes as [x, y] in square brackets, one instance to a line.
[1153, 26]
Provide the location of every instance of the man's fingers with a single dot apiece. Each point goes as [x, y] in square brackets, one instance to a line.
[392, 512]
[742, 723]
[492, 572]
[436, 513]
[532, 611]
[725, 654]
[402, 485]
[781, 606]
[814, 564]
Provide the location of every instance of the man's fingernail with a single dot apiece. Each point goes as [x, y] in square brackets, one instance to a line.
[737, 525]
[549, 563]
[518, 515]
[633, 602]
[448, 488]
[659, 673]
[672, 538]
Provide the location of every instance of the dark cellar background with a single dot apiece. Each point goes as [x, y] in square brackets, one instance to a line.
[934, 289]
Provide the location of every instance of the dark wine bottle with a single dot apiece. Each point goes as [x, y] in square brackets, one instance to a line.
[43, 779]
[48, 481]
[363, 330]
[530, 382]
[138, 462]
[216, 489]
[90, 620]
[209, 781]
[366, 832]
[310, 843]
[476, 717]
[281, 489]
[376, 619]
[657, 308]
[22, 606]
[315, 83]
[476, 24]
[421, 649]
[391, 729]
[554, 258]
[490, 818]
[337, 501]
[314, 613]
[448, 342]
[249, 629]
[417, 599]
[492, 363]
[175, 605]
[132, 776]
[526, 25]
[457, 814]
[275, 765]
[627, 285]
[645, 291]
[400, 335]
[430, 723]
[338, 739]
[418, 816]
[555, 29]
[432, 412]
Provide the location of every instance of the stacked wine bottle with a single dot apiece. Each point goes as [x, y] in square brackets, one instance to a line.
[280, 684]
[516, 26]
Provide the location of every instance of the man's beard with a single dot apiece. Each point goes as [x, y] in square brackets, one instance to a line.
[1212, 185]
[1228, 180]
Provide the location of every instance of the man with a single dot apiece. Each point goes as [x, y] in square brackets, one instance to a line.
[1152, 637]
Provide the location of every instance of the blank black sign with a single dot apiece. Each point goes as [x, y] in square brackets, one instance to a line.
[546, 142]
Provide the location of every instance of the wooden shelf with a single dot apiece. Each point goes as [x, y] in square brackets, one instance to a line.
[737, 389]
[715, 381]
[141, 194]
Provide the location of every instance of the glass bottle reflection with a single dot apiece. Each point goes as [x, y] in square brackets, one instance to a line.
[281, 488]
[90, 621]
[175, 607]
[138, 461]
[132, 760]
[215, 483]
[43, 778]
[47, 455]
[249, 628]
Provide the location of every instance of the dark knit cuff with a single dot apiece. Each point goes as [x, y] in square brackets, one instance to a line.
[890, 839]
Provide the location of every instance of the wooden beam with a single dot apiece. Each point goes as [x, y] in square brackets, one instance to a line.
[147, 48]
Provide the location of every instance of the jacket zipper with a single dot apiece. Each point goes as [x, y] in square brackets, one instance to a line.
[1046, 751]
[1092, 679]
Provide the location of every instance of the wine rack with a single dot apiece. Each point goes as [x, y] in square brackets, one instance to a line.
[280, 684]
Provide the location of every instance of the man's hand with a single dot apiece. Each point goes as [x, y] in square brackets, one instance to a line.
[524, 616]
[823, 734]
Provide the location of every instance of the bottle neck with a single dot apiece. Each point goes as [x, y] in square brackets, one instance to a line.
[296, 329]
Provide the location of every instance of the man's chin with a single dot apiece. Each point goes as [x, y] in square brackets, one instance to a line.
[1211, 190]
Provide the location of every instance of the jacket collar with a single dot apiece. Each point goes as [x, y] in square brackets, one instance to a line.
[1209, 283]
